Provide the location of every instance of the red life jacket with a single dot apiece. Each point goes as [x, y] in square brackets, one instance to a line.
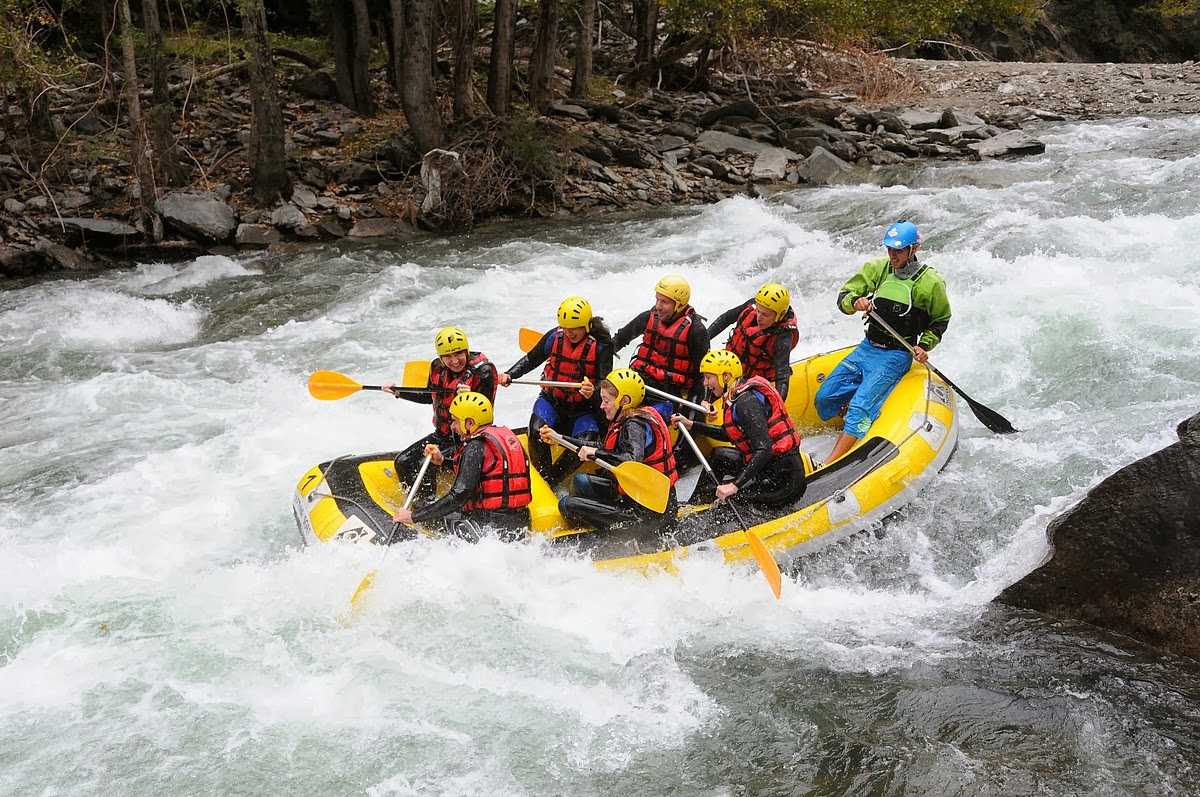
[663, 354]
[784, 437]
[505, 483]
[441, 376]
[660, 455]
[749, 342]
[570, 362]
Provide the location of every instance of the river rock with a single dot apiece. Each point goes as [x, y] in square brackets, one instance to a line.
[715, 142]
[288, 217]
[15, 262]
[256, 236]
[62, 258]
[1127, 557]
[822, 167]
[770, 165]
[203, 215]
[319, 85]
[746, 108]
[921, 120]
[100, 230]
[1010, 143]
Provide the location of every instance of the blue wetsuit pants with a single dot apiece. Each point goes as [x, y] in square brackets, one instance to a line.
[864, 378]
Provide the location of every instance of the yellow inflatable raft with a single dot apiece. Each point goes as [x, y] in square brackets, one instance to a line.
[353, 497]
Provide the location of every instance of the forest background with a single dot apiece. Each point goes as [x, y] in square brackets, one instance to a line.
[112, 104]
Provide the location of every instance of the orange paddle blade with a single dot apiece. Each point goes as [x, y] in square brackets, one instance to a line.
[770, 568]
[330, 385]
[529, 338]
[416, 374]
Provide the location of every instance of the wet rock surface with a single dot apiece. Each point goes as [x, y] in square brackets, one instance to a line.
[1127, 557]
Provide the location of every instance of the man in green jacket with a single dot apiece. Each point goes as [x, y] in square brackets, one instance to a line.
[911, 297]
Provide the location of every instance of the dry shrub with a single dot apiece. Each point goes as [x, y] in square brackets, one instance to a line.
[871, 75]
[507, 168]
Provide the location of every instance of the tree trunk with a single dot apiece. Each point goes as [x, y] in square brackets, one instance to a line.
[541, 61]
[500, 68]
[162, 112]
[581, 78]
[396, 43]
[267, 156]
[418, 96]
[362, 59]
[464, 64]
[145, 190]
[351, 55]
[645, 29]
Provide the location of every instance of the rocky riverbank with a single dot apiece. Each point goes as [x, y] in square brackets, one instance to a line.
[362, 179]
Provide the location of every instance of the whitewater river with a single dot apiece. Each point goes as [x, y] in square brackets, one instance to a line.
[163, 632]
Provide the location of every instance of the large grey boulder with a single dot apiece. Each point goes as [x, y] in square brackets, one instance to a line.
[1127, 557]
[822, 167]
[1010, 143]
[715, 142]
[203, 216]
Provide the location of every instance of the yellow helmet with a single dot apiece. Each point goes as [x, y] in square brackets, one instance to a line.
[721, 362]
[627, 382]
[675, 288]
[774, 296]
[574, 312]
[473, 406]
[450, 340]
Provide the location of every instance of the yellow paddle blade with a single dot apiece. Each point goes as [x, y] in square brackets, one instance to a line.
[770, 568]
[416, 374]
[644, 484]
[330, 385]
[356, 600]
[529, 338]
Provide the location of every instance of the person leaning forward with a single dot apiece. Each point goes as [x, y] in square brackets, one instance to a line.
[456, 370]
[491, 474]
[764, 334]
[635, 434]
[911, 297]
[578, 350]
[674, 340]
[765, 460]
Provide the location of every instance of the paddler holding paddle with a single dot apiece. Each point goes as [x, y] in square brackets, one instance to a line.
[638, 490]
[910, 298]
[674, 340]
[456, 370]
[491, 474]
[578, 351]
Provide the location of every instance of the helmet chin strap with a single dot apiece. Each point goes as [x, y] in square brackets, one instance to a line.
[910, 266]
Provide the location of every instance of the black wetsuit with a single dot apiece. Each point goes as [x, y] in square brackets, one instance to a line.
[408, 461]
[766, 479]
[568, 412]
[782, 343]
[597, 503]
[448, 510]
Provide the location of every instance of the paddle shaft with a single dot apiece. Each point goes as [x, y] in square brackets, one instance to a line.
[542, 383]
[681, 402]
[989, 417]
[408, 500]
[410, 390]
[571, 446]
[766, 562]
[683, 430]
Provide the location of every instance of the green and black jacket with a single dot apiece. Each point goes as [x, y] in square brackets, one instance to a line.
[917, 307]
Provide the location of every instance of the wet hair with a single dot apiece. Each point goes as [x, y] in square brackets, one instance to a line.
[599, 330]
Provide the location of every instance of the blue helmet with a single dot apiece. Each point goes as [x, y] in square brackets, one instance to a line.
[901, 235]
